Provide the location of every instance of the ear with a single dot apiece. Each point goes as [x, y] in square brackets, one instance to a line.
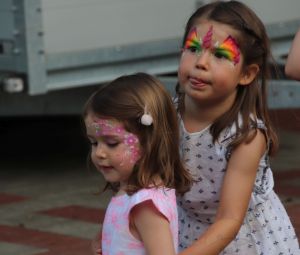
[249, 74]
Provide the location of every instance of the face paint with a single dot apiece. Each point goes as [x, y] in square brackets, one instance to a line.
[229, 49]
[107, 128]
[208, 38]
[133, 151]
[196, 44]
[192, 41]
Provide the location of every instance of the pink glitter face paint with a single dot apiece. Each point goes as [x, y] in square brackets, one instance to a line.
[229, 49]
[111, 128]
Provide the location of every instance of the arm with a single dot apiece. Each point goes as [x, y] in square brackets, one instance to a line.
[96, 244]
[152, 228]
[292, 66]
[235, 196]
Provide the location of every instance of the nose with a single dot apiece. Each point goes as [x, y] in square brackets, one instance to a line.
[202, 60]
[100, 151]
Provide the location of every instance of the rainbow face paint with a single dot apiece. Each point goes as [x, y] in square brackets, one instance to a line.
[193, 42]
[196, 44]
[229, 49]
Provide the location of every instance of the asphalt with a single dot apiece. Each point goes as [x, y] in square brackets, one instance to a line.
[51, 203]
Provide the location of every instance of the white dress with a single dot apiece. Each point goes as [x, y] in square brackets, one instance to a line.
[266, 230]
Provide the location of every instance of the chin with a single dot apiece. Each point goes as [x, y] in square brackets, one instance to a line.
[111, 179]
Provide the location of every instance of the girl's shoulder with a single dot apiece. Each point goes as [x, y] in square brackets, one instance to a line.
[164, 200]
[162, 193]
[230, 131]
[228, 135]
[155, 194]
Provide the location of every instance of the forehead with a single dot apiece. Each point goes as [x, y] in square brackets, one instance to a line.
[104, 126]
[220, 31]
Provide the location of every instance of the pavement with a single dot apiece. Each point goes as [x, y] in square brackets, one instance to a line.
[51, 202]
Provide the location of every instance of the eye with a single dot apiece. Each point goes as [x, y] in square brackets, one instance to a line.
[221, 54]
[194, 49]
[112, 143]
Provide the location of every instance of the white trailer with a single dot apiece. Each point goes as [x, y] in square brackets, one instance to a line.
[53, 51]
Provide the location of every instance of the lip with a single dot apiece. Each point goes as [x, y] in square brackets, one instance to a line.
[106, 168]
[198, 83]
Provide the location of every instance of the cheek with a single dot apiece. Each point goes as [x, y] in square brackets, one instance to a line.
[93, 157]
[181, 76]
[130, 154]
[226, 64]
[119, 157]
[224, 74]
[132, 148]
[182, 67]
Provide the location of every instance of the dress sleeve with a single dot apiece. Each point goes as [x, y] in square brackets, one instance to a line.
[228, 135]
[163, 199]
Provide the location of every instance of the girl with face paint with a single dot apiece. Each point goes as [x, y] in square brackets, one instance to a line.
[227, 137]
[132, 127]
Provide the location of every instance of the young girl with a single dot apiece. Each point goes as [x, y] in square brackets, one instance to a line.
[132, 128]
[227, 138]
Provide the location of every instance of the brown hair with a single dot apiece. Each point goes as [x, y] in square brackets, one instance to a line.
[254, 43]
[125, 99]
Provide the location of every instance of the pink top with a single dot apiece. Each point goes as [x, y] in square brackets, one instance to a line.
[116, 236]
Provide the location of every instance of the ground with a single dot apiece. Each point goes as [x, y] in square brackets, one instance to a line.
[52, 204]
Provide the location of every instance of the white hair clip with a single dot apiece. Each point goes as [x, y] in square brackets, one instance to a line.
[146, 119]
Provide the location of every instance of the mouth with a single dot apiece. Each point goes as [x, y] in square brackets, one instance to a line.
[198, 83]
[106, 168]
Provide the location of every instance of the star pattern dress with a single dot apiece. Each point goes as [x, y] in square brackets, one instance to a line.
[116, 236]
[266, 229]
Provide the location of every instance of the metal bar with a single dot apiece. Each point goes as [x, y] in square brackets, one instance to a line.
[284, 94]
[109, 55]
[80, 77]
[31, 42]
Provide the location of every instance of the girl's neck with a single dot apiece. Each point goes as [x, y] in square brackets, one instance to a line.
[197, 116]
[157, 181]
[122, 189]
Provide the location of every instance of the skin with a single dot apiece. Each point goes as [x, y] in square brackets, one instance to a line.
[114, 150]
[153, 229]
[210, 82]
[292, 67]
[114, 153]
[210, 85]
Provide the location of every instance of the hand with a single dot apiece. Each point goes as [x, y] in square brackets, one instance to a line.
[96, 244]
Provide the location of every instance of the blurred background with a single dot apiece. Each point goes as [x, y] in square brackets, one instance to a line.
[53, 55]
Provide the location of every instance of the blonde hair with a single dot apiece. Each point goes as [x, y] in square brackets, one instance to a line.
[125, 100]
